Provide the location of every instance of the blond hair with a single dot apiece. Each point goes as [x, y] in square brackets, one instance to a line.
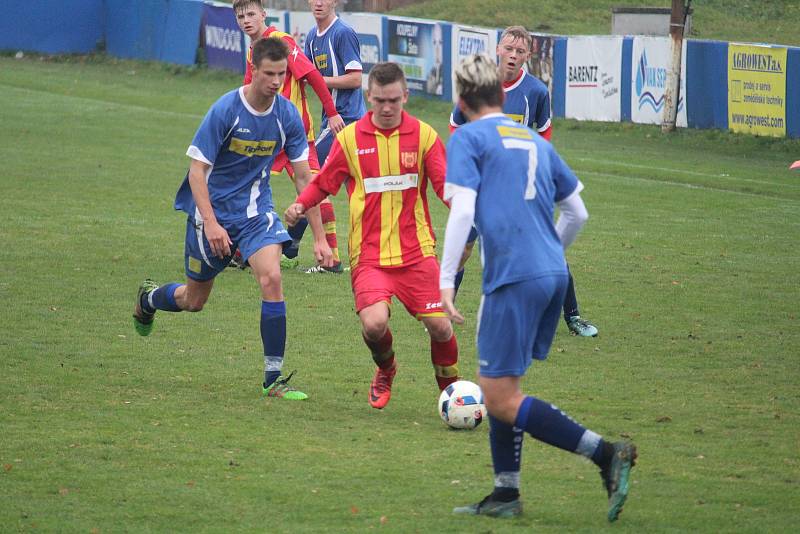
[518, 32]
[478, 83]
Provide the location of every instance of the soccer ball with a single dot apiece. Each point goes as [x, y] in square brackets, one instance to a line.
[461, 405]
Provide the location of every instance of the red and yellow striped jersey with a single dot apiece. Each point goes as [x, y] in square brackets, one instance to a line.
[294, 87]
[386, 175]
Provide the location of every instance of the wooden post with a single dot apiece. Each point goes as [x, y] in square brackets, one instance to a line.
[672, 91]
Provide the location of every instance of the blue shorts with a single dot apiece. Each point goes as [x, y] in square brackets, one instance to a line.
[324, 143]
[249, 236]
[517, 323]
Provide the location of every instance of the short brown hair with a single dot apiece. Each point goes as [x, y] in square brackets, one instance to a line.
[517, 32]
[386, 73]
[272, 48]
[241, 4]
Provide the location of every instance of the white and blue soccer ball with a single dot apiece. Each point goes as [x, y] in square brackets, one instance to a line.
[461, 405]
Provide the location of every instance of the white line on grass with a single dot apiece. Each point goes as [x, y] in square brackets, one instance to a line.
[684, 185]
[682, 171]
[105, 102]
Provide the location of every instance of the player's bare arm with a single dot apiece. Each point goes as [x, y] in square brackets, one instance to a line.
[217, 236]
[348, 80]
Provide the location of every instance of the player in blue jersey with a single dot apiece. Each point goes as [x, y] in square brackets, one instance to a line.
[505, 179]
[333, 48]
[527, 101]
[228, 199]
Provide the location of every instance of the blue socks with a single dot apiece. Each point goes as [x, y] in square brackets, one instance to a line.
[506, 445]
[273, 336]
[291, 250]
[570, 299]
[547, 423]
[162, 298]
[458, 280]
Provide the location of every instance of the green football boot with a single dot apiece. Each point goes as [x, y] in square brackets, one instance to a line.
[142, 320]
[282, 390]
[615, 477]
[581, 327]
[491, 508]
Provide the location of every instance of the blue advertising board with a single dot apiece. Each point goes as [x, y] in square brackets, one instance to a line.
[223, 40]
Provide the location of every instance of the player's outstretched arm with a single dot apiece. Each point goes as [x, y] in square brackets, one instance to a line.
[322, 251]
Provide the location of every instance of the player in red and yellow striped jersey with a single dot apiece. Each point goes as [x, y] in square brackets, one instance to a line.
[251, 17]
[386, 160]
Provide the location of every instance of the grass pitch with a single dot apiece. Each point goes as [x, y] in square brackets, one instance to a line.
[688, 265]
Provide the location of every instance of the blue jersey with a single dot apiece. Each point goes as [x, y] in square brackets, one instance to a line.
[334, 52]
[518, 177]
[240, 144]
[527, 102]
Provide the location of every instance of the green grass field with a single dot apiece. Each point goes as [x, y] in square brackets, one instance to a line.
[688, 264]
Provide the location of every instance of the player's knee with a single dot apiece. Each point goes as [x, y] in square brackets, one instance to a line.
[439, 329]
[374, 327]
[269, 280]
[501, 406]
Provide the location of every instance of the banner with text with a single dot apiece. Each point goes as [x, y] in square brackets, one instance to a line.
[223, 41]
[757, 89]
[418, 47]
[651, 62]
[468, 40]
[594, 66]
[369, 29]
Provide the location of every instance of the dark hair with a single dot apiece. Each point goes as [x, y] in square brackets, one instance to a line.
[241, 4]
[272, 48]
[477, 82]
[386, 73]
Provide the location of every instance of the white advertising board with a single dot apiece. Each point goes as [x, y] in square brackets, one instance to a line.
[594, 66]
[468, 40]
[650, 63]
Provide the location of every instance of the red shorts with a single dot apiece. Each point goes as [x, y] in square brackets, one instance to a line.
[415, 286]
[282, 161]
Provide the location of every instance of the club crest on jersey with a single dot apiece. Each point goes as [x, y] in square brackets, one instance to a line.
[408, 159]
[322, 61]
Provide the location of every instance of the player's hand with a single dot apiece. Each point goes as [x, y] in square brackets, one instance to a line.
[323, 253]
[218, 239]
[294, 213]
[336, 123]
[448, 305]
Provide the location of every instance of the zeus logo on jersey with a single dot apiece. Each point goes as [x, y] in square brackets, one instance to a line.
[363, 151]
[433, 305]
[252, 148]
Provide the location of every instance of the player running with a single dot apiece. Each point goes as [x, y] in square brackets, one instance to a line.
[527, 101]
[505, 179]
[228, 199]
[386, 159]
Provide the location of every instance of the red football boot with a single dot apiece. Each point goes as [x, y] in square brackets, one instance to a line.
[380, 391]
